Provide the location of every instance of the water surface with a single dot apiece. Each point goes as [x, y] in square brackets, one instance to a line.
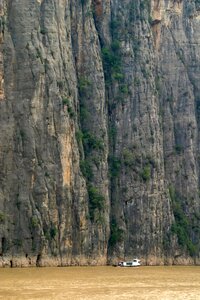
[105, 283]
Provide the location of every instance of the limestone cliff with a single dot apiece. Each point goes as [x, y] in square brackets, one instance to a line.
[99, 139]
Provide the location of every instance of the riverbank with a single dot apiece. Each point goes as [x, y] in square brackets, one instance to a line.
[46, 261]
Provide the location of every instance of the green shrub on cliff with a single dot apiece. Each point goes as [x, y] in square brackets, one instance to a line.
[96, 203]
[2, 217]
[183, 223]
[116, 234]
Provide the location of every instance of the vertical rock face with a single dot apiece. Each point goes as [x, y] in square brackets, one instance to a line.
[99, 140]
[45, 204]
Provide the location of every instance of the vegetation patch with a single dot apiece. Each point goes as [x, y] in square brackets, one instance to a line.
[34, 222]
[146, 173]
[2, 217]
[112, 62]
[66, 102]
[91, 142]
[84, 113]
[184, 225]
[43, 31]
[116, 234]
[18, 243]
[86, 169]
[53, 231]
[50, 233]
[84, 85]
[96, 201]
[114, 166]
[128, 158]
[178, 149]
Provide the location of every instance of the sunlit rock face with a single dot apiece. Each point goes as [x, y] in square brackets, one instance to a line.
[99, 139]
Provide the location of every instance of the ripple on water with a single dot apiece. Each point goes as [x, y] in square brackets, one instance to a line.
[101, 283]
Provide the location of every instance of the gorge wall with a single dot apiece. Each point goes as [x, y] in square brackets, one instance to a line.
[99, 139]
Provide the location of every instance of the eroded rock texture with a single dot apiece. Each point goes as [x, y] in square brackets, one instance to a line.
[99, 139]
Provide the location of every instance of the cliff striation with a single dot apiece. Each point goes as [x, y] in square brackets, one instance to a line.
[99, 139]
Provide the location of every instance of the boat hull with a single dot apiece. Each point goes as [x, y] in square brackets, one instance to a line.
[134, 263]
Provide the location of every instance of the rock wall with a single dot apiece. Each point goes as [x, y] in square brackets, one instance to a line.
[99, 140]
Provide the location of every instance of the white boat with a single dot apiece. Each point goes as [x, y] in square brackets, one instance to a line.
[133, 263]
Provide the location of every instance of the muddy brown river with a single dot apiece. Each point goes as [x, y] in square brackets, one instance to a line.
[105, 283]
